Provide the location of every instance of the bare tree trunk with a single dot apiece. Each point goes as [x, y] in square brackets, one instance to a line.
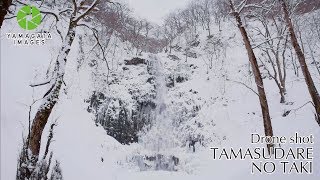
[52, 96]
[209, 29]
[281, 82]
[4, 6]
[302, 60]
[282, 87]
[294, 64]
[257, 75]
[315, 63]
[284, 66]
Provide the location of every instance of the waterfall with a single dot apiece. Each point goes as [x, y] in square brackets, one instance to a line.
[160, 138]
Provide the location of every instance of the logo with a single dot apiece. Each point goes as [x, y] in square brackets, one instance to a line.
[29, 17]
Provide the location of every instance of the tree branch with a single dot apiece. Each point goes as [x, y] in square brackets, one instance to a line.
[40, 84]
[87, 11]
[244, 85]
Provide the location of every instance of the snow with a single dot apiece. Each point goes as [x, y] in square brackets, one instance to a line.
[19, 66]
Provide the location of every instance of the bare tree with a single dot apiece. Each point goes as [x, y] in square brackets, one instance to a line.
[312, 38]
[256, 71]
[205, 15]
[220, 12]
[273, 34]
[194, 15]
[302, 60]
[147, 27]
[52, 95]
[77, 13]
[172, 28]
[215, 50]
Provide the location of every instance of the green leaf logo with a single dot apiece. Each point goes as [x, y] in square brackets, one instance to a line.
[29, 17]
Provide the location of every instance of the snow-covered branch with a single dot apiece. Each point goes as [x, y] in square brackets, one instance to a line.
[87, 11]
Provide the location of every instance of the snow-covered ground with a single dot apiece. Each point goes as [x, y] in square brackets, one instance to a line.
[230, 113]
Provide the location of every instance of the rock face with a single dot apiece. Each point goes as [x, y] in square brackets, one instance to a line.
[118, 119]
[120, 122]
[180, 79]
[135, 61]
[124, 113]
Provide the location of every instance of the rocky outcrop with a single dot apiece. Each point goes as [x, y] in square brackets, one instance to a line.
[123, 114]
[135, 61]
